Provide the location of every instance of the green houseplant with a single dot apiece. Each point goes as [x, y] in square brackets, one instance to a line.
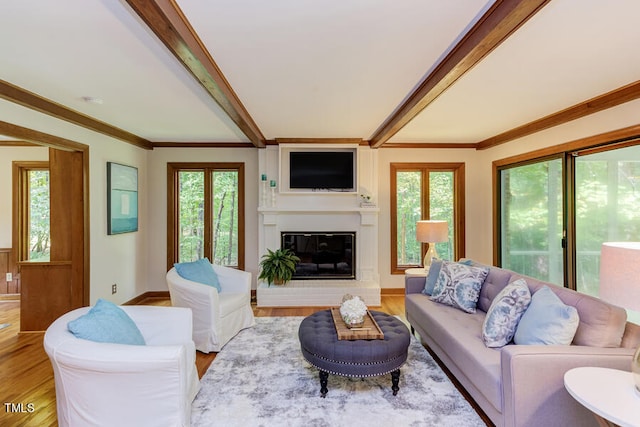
[278, 266]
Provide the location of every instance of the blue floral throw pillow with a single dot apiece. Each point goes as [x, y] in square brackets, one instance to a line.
[458, 285]
[505, 312]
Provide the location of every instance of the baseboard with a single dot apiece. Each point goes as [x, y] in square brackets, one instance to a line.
[150, 294]
[165, 294]
[392, 291]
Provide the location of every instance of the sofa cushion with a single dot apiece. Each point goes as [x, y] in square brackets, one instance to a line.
[108, 323]
[458, 334]
[199, 271]
[547, 320]
[458, 285]
[505, 312]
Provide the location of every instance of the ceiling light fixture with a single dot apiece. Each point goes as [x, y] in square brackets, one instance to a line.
[92, 100]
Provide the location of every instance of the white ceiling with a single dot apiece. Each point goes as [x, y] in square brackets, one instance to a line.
[311, 68]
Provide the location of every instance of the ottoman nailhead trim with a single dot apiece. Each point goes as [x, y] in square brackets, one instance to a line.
[356, 363]
[356, 376]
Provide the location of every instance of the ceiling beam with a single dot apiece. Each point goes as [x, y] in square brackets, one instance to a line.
[36, 102]
[415, 145]
[602, 102]
[39, 138]
[356, 141]
[194, 144]
[498, 23]
[169, 24]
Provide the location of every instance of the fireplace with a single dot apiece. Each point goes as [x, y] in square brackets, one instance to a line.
[323, 255]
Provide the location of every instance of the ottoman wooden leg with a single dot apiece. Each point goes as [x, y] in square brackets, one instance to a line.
[324, 378]
[395, 379]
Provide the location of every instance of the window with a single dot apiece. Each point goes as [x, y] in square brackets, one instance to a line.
[206, 213]
[425, 191]
[555, 213]
[32, 216]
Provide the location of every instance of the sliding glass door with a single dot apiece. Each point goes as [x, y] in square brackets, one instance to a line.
[531, 229]
[607, 193]
[555, 213]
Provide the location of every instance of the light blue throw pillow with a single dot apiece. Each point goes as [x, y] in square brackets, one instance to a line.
[106, 322]
[432, 276]
[458, 285]
[200, 271]
[547, 320]
[505, 312]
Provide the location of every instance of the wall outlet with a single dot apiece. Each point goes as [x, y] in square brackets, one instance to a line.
[114, 289]
[9, 277]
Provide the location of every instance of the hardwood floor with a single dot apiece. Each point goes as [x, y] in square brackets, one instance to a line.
[27, 391]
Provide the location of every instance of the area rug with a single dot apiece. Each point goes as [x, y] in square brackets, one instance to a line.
[261, 379]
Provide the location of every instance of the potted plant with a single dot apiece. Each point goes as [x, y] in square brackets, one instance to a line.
[278, 266]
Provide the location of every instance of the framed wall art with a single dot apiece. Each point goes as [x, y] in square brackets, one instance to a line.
[122, 198]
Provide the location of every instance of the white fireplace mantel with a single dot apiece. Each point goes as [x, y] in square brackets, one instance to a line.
[321, 212]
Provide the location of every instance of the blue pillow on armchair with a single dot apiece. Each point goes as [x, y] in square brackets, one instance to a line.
[108, 323]
[200, 271]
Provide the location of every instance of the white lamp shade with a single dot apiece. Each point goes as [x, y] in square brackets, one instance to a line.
[620, 274]
[432, 231]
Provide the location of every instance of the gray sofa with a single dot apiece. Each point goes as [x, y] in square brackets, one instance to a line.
[521, 385]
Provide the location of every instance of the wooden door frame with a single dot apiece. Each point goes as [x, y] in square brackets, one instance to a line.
[51, 141]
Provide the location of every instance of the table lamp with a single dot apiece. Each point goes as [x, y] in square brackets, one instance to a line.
[620, 283]
[431, 232]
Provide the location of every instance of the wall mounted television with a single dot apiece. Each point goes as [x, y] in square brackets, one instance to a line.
[322, 170]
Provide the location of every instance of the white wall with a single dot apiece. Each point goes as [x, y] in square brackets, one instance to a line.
[137, 261]
[478, 202]
[478, 179]
[478, 187]
[157, 218]
[7, 156]
[121, 259]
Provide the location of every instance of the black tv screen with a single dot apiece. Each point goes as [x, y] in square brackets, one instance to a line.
[321, 170]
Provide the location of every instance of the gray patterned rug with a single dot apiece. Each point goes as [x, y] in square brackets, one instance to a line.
[261, 379]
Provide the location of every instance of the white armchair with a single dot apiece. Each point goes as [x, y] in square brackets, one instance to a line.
[217, 316]
[104, 384]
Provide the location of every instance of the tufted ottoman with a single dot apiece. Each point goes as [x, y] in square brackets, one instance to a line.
[358, 358]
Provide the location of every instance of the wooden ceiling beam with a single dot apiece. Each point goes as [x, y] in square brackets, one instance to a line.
[38, 103]
[169, 24]
[357, 141]
[495, 26]
[39, 138]
[602, 102]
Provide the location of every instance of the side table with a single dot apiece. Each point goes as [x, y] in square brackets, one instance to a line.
[609, 393]
[416, 272]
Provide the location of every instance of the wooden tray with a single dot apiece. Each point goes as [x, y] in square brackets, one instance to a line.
[369, 331]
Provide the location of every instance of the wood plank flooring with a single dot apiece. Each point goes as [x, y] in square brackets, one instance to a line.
[27, 391]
